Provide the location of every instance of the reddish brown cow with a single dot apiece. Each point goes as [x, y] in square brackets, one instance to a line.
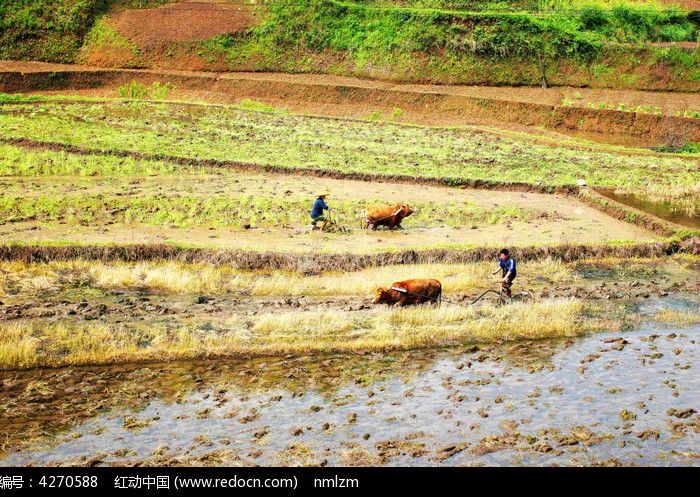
[386, 215]
[408, 292]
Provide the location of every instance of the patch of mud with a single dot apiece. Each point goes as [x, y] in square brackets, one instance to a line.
[156, 28]
[632, 406]
[119, 306]
[139, 306]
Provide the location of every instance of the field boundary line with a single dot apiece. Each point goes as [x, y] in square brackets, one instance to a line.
[320, 173]
[318, 263]
[587, 195]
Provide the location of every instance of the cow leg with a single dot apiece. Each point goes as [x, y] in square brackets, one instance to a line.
[374, 226]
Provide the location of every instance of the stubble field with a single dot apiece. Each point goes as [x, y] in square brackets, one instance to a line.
[142, 233]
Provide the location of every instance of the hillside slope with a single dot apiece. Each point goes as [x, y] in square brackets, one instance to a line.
[634, 45]
[611, 77]
[621, 117]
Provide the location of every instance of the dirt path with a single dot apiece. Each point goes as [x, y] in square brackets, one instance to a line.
[156, 28]
[668, 102]
[301, 240]
[559, 113]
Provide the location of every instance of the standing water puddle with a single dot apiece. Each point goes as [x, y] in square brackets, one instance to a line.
[628, 398]
[659, 209]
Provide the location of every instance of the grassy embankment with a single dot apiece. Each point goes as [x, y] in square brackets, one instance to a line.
[582, 43]
[232, 137]
[53, 30]
[51, 342]
[587, 46]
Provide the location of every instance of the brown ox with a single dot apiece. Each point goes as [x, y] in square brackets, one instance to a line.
[408, 292]
[386, 215]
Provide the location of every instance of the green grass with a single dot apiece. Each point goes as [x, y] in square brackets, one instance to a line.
[91, 198]
[136, 91]
[439, 41]
[279, 141]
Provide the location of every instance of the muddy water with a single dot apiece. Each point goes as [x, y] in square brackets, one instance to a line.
[623, 398]
[662, 210]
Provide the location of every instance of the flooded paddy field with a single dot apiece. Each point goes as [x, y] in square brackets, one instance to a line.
[620, 398]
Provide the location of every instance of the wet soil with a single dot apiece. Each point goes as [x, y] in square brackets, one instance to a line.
[592, 281]
[119, 306]
[658, 209]
[611, 399]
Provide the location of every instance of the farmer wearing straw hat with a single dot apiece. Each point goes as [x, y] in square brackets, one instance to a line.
[317, 211]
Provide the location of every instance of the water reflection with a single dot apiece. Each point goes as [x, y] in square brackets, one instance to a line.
[614, 398]
[663, 210]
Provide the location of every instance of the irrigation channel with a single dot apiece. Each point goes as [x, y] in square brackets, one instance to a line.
[658, 209]
[624, 398]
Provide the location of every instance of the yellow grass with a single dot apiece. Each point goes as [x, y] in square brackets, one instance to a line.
[420, 326]
[297, 326]
[548, 318]
[18, 349]
[545, 319]
[180, 278]
[685, 197]
[163, 277]
[103, 343]
[28, 344]
[679, 318]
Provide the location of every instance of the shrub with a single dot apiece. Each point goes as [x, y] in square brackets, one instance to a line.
[136, 91]
[133, 91]
[673, 32]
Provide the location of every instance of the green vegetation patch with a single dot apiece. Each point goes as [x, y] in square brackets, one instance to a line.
[47, 30]
[282, 141]
[526, 42]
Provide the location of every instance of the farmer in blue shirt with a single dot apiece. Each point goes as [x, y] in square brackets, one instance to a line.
[506, 264]
[317, 211]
